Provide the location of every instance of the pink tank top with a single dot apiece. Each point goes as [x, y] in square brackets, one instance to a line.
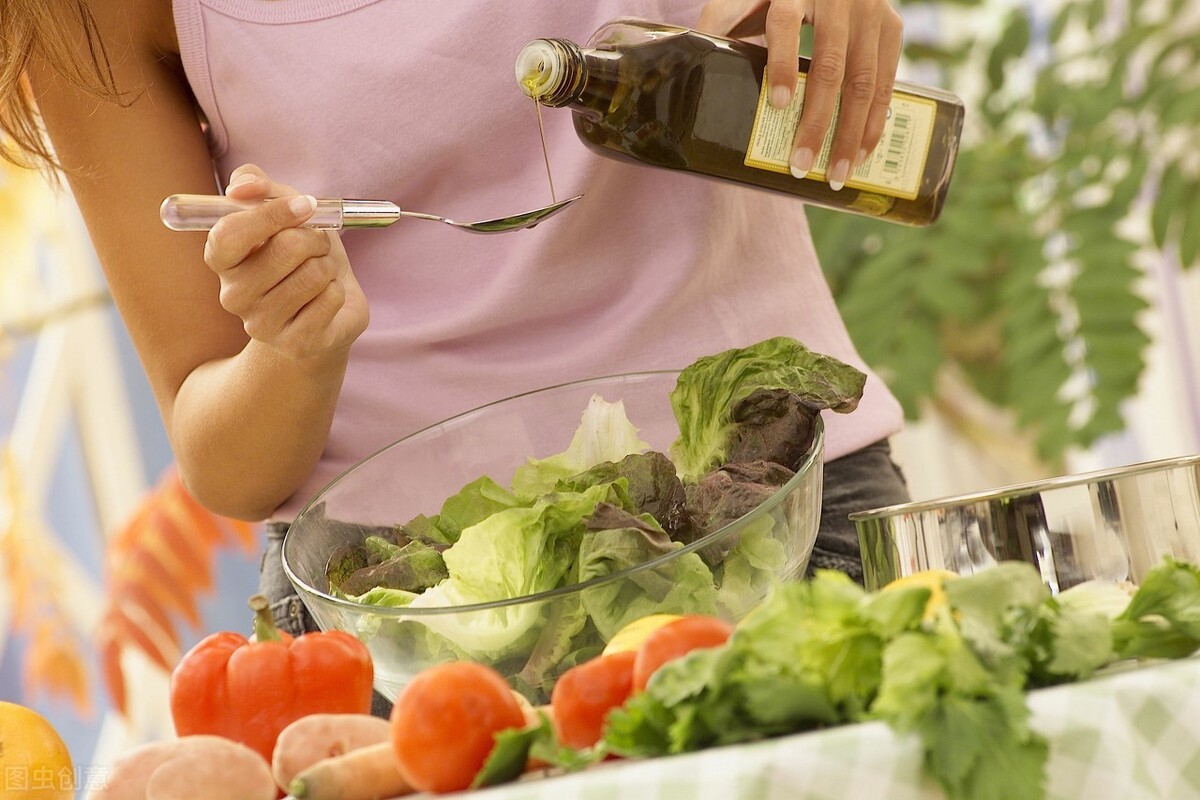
[416, 102]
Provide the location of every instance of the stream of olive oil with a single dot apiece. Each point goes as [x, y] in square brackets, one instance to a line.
[537, 104]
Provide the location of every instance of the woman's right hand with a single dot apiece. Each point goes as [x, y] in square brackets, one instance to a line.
[291, 286]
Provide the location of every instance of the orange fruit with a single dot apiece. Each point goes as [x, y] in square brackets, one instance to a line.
[34, 762]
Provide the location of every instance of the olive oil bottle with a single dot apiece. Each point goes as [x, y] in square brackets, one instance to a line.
[672, 97]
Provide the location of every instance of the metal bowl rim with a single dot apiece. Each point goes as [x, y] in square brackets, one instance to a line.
[816, 451]
[1026, 489]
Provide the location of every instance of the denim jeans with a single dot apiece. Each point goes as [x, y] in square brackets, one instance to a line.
[859, 481]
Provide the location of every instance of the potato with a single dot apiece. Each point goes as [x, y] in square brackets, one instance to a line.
[133, 771]
[317, 737]
[232, 773]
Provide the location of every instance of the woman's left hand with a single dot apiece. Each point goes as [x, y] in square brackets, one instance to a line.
[856, 47]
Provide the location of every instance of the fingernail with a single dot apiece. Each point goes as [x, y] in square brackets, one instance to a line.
[801, 162]
[302, 204]
[837, 175]
[781, 96]
[862, 156]
[244, 178]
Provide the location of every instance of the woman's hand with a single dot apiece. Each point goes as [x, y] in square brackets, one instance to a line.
[856, 47]
[292, 287]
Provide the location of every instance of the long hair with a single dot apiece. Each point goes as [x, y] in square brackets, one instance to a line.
[63, 35]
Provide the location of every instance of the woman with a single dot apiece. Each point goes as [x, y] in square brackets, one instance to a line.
[269, 375]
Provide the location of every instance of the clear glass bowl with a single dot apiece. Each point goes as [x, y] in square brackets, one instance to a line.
[534, 637]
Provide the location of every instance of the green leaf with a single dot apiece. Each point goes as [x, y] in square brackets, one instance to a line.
[1039, 384]
[896, 610]
[946, 56]
[785, 701]
[1012, 44]
[508, 757]
[1083, 643]
[604, 434]
[1013, 769]
[1162, 619]
[1184, 109]
[476, 501]
[1171, 192]
[959, 736]
[1032, 343]
[1103, 307]
[710, 388]
[948, 299]
[1061, 20]
[1189, 236]
[1105, 344]
[913, 668]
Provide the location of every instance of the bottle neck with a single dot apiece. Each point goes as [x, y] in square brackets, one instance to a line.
[558, 72]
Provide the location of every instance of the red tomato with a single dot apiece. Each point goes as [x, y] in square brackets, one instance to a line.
[676, 639]
[445, 721]
[585, 693]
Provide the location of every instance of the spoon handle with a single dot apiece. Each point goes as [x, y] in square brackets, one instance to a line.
[200, 212]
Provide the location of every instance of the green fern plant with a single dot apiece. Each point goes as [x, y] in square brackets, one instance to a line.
[1079, 160]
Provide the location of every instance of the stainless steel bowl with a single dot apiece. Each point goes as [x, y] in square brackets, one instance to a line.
[1115, 524]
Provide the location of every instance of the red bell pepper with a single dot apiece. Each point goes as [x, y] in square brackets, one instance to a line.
[250, 691]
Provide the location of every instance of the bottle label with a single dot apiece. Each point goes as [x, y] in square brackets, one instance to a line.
[893, 168]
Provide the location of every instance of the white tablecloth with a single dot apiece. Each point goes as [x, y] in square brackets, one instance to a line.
[1131, 735]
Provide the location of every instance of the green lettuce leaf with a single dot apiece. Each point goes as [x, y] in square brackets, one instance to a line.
[604, 434]
[511, 553]
[617, 540]
[748, 572]
[412, 568]
[708, 391]
[472, 504]
[653, 486]
[564, 631]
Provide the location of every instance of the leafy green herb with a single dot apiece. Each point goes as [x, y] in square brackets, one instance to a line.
[1162, 619]
[822, 652]
[515, 747]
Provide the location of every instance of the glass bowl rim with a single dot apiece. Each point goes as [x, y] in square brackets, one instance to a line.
[815, 450]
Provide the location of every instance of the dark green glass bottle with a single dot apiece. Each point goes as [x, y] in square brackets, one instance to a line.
[671, 97]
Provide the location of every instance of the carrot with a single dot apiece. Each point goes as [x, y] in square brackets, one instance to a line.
[368, 773]
[319, 736]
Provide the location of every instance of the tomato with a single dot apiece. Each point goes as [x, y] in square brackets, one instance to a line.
[674, 640]
[444, 724]
[585, 693]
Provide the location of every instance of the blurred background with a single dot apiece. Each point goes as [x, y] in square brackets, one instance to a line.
[1046, 325]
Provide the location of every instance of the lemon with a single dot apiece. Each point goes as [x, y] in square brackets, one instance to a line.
[931, 579]
[634, 633]
[34, 762]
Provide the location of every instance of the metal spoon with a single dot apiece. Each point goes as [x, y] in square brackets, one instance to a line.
[199, 212]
